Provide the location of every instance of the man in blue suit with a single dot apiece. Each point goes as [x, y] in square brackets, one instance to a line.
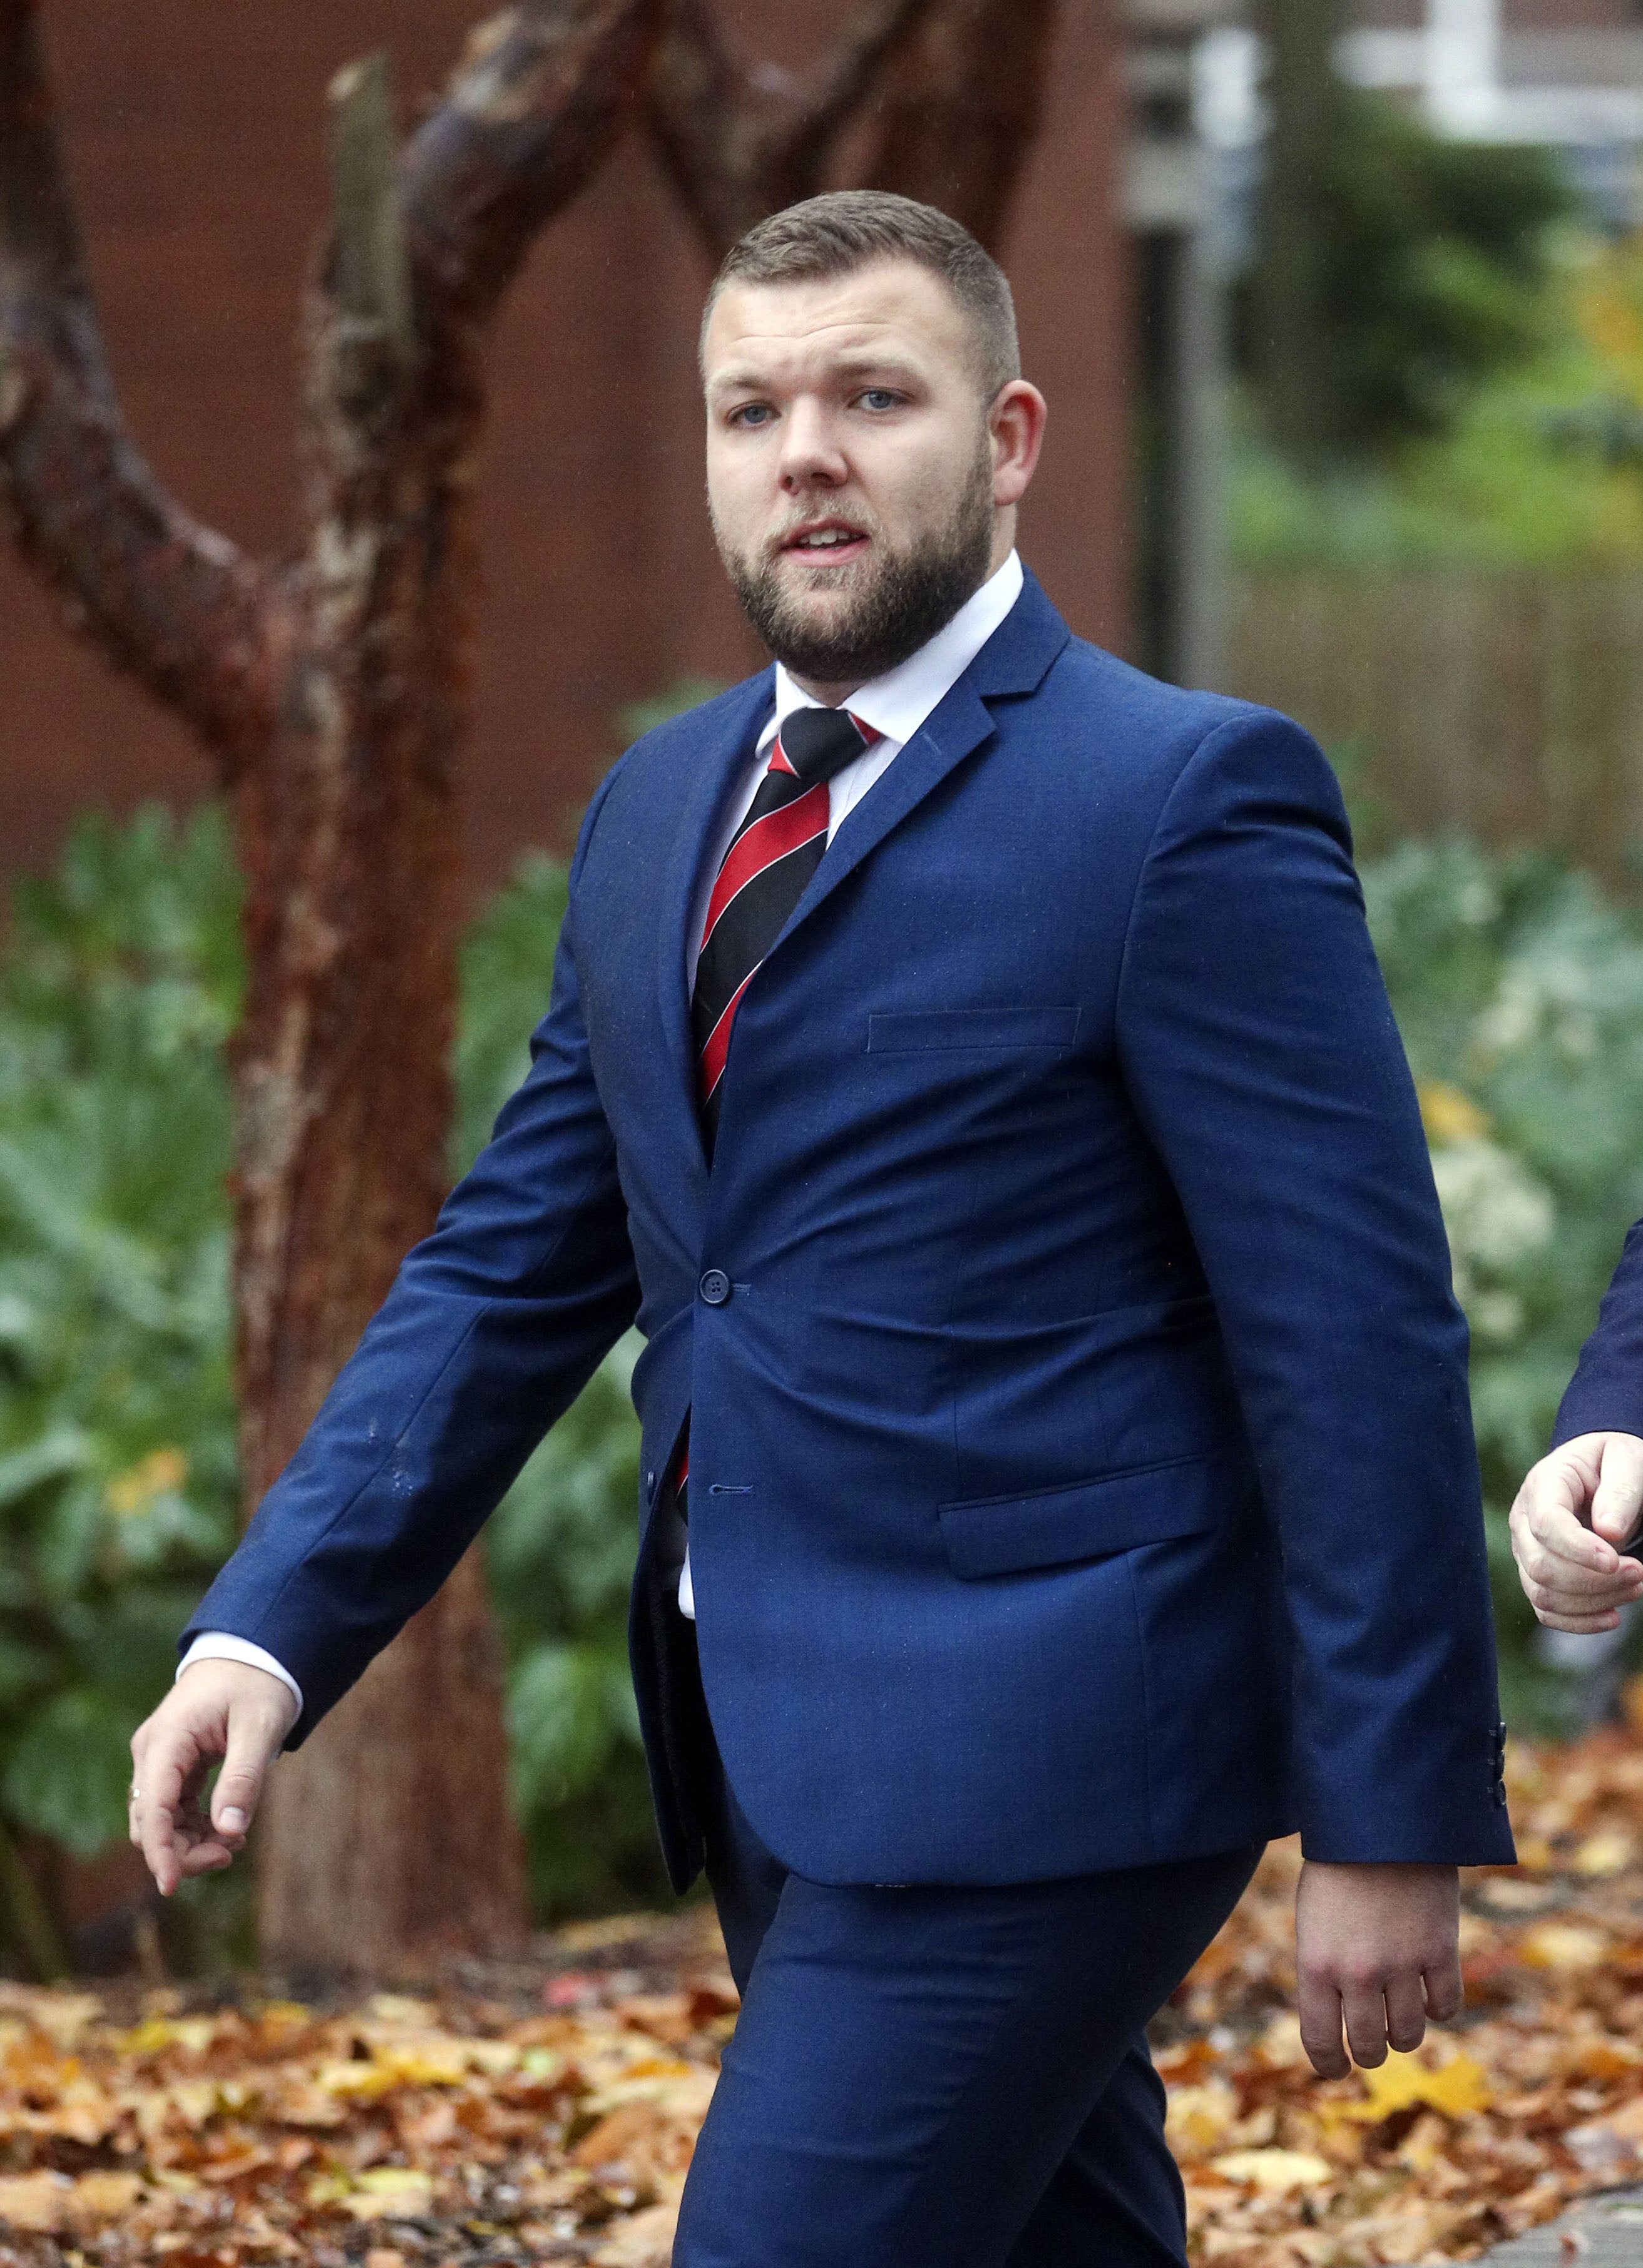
[967, 1065]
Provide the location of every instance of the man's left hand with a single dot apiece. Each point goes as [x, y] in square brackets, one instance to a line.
[1378, 1946]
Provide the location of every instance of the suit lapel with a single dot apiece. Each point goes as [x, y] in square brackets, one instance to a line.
[1014, 662]
[723, 748]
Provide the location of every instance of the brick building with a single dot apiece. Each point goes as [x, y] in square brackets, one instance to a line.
[196, 138]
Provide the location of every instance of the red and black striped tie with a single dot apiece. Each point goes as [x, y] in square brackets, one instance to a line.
[777, 848]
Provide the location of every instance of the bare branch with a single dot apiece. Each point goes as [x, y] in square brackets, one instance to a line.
[161, 595]
[541, 94]
[740, 140]
[370, 266]
[838, 85]
[963, 107]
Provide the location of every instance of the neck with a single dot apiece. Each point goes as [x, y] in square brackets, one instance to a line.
[830, 696]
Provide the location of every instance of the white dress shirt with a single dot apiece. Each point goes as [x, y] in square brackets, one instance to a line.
[896, 705]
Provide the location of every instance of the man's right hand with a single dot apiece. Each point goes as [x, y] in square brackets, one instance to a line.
[1573, 1514]
[224, 1709]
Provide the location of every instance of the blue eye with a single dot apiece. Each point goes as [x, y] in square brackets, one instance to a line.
[751, 414]
[880, 397]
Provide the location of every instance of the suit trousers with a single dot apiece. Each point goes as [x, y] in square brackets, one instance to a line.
[940, 2077]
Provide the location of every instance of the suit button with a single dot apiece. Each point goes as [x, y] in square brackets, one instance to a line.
[715, 1287]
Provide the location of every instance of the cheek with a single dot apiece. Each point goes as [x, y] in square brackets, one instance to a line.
[739, 491]
[913, 489]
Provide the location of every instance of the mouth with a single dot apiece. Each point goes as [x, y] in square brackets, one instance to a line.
[824, 543]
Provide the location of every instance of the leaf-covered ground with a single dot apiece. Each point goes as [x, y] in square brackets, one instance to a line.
[546, 2111]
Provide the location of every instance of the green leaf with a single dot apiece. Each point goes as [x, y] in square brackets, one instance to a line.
[64, 1451]
[68, 1770]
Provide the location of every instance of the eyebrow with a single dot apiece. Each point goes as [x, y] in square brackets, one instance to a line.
[849, 365]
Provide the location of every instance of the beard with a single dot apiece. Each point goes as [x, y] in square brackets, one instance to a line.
[903, 598]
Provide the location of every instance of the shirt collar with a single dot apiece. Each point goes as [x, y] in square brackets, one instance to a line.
[897, 703]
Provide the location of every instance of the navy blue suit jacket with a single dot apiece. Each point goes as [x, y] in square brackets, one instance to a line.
[1081, 1470]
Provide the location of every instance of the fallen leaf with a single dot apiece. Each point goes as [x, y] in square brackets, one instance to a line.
[388, 2189]
[35, 2201]
[1564, 1946]
[612, 2141]
[1455, 2088]
[645, 2239]
[103, 2196]
[1609, 1851]
[1199, 2118]
[1274, 2170]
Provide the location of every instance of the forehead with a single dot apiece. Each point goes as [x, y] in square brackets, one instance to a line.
[791, 331]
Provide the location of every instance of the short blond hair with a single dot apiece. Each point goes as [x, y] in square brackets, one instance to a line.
[847, 229]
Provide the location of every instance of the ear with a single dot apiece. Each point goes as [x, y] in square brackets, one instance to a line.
[1015, 424]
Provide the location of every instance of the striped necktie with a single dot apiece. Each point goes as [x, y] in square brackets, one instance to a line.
[776, 849]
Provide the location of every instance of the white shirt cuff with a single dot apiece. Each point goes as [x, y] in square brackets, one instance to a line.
[218, 1646]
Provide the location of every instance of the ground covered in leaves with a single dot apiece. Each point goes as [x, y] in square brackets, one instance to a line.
[546, 2111]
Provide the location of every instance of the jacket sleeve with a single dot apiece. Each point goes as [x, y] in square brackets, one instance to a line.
[493, 1325]
[1605, 1395]
[1260, 1051]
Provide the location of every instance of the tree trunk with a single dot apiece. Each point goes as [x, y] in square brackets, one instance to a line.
[333, 694]
[1292, 352]
[388, 1839]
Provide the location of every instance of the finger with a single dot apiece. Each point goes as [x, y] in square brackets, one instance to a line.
[1619, 1497]
[138, 1742]
[1445, 1987]
[1565, 1598]
[252, 1739]
[1581, 1625]
[1318, 2005]
[1564, 1481]
[172, 1757]
[1364, 2007]
[1549, 1599]
[1548, 1531]
[1405, 2011]
[1562, 1606]
[208, 1857]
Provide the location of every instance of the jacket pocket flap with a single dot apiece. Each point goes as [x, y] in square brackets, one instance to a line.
[1002, 1536]
[974, 1027]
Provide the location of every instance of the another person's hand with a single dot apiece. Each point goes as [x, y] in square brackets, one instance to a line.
[224, 1709]
[1573, 1514]
[1378, 1946]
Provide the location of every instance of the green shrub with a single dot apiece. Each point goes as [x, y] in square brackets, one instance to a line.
[118, 987]
[1518, 992]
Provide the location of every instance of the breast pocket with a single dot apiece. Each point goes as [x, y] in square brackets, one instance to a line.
[1048, 1028]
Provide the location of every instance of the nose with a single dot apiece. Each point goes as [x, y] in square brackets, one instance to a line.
[811, 456]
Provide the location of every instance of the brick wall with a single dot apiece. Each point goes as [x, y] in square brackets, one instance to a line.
[196, 139]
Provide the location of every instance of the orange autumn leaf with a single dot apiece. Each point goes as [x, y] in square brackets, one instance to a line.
[1455, 2087]
[557, 2109]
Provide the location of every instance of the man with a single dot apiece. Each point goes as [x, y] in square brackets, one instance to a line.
[966, 1061]
[1580, 1507]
